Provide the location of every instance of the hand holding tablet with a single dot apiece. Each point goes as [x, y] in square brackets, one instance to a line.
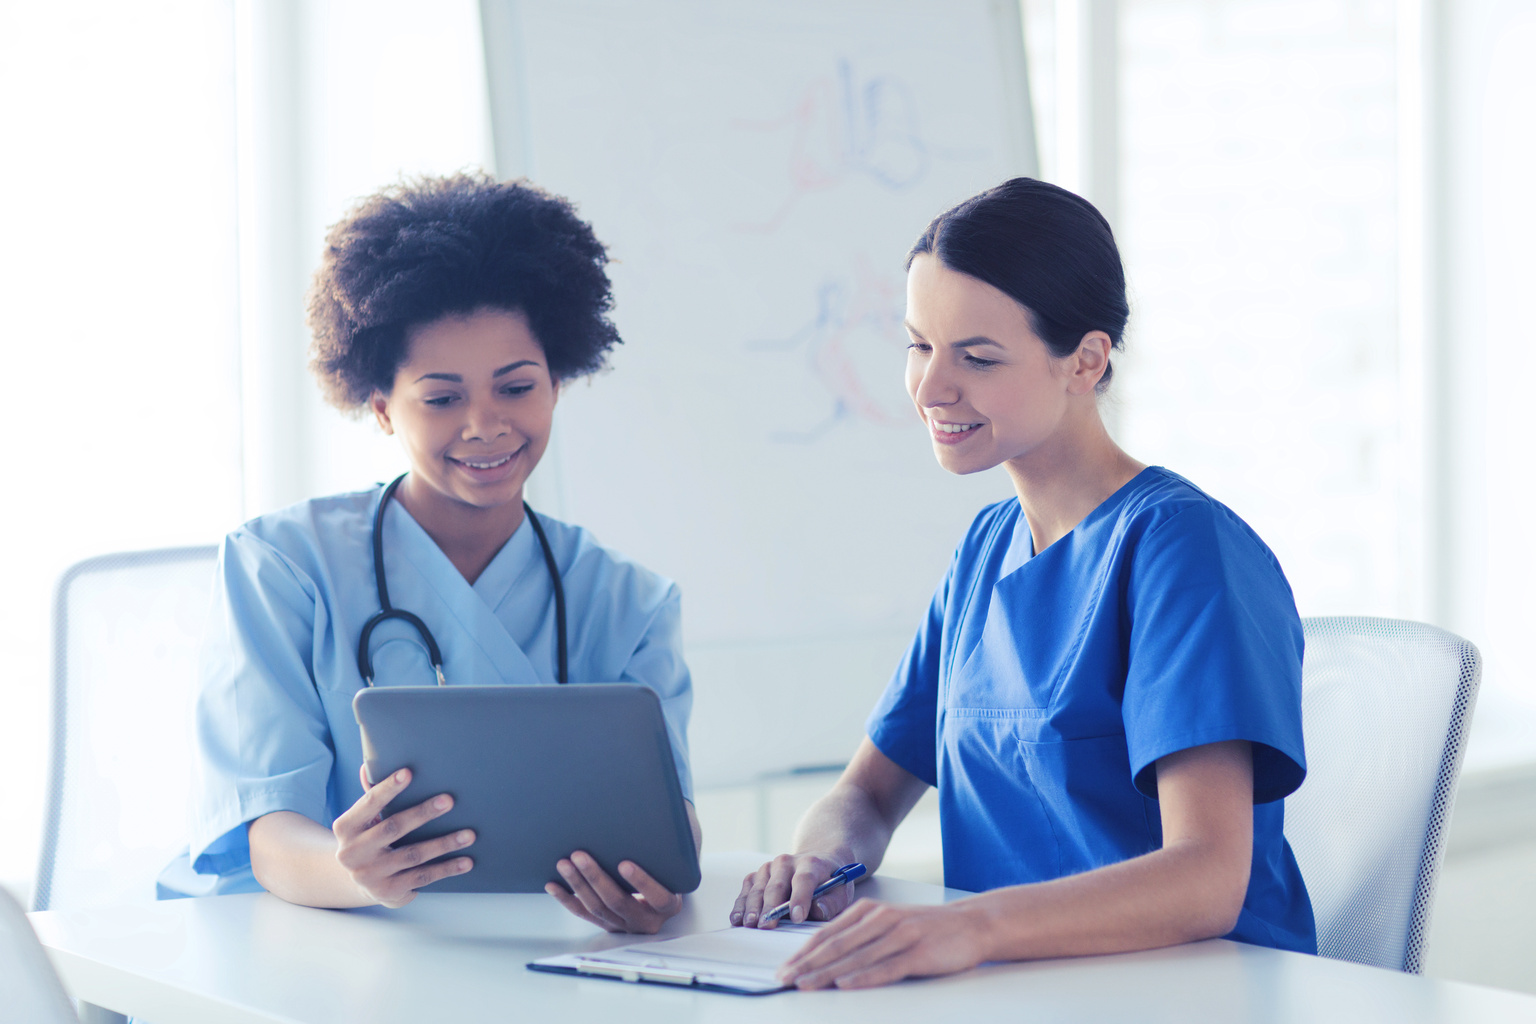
[380, 853]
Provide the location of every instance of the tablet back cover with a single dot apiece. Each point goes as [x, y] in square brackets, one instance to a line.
[538, 772]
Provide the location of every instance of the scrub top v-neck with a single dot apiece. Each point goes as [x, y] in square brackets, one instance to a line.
[1041, 689]
[279, 669]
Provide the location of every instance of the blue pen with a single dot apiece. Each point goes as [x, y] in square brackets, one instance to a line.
[842, 876]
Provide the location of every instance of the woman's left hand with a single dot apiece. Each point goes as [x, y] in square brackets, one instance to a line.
[877, 943]
[595, 897]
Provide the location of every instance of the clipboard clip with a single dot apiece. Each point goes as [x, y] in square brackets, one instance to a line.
[633, 973]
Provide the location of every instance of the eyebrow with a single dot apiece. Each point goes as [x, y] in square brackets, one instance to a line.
[457, 379]
[966, 343]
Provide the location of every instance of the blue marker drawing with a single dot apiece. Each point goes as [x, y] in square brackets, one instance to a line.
[841, 127]
[853, 346]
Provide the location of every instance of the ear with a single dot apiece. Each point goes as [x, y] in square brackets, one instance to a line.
[379, 403]
[1089, 363]
[554, 385]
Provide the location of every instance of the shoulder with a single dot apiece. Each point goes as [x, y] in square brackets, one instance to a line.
[310, 535]
[1168, 517]
[314, 519]
[604, 577]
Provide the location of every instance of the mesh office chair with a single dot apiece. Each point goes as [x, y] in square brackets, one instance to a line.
[126, 633]
[1385, 707]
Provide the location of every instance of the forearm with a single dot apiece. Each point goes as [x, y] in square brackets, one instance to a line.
[295, 858]
[854, 822]
[846, 825]
[1177, 894]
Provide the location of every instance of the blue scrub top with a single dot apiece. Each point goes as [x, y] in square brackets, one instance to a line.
[1041, 690]
[279, 667]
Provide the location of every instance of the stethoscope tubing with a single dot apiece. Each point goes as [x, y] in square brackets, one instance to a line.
[387, 611]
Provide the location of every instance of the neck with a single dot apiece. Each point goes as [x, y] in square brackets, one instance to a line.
[470, 536]
[1068, 476]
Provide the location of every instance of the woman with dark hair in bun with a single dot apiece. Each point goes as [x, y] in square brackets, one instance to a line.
[1106, 689]
[452, 310]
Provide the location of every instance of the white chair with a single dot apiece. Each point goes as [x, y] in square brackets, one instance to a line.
[32, 991]
[126, 633]
[1385, 708]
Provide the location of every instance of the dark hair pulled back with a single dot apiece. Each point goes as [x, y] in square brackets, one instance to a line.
[1047, 249]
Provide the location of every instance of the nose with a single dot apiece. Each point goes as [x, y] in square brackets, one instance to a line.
[932, 385]
[485, 422]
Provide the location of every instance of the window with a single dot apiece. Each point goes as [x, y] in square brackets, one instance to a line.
[121, 429]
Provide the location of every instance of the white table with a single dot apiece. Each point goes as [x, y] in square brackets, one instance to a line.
[456, 958]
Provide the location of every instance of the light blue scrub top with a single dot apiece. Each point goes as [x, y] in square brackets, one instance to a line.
[279, 668]
[1041, 690]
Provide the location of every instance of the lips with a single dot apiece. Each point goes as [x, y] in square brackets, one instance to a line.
[490, 468]
[951, 433]
[484, 462]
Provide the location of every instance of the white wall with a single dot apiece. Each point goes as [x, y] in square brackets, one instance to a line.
[1489, 362]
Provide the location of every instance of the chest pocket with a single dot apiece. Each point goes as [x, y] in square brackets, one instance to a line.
[1031, 636]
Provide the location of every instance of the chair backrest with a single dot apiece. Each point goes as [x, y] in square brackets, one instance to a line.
[1385, 707]
[126, 633]
[32, 991]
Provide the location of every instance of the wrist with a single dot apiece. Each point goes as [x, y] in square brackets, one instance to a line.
[836, 855]
[986, 921]
[363, 897]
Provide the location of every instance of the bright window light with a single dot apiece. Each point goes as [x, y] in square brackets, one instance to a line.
[118, 291]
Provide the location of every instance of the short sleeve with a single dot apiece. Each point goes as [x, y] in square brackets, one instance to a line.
[657, 662]
[904, 724]
[1215, 649]
[262, 735]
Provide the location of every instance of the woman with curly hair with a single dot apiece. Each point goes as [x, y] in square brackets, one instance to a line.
[452, 310]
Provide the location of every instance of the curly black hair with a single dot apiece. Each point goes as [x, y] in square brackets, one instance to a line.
[433, 247]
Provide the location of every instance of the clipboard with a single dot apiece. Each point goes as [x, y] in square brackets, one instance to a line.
[737, 961]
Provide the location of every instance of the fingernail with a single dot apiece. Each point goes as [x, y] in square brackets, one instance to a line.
[465, 864]
[402, 775]
[797, 915]
[627, 869]
[751, 920]
[466, 837]
[442, 802]
[821, 908]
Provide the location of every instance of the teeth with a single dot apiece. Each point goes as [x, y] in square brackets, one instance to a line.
[488, 465]
[955, 428]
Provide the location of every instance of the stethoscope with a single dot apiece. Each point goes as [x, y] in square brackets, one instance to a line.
[387, 611]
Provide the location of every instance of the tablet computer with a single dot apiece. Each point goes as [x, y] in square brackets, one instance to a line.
[538, 772]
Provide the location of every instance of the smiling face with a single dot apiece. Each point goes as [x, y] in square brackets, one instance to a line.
[988, 388]
[472, 405]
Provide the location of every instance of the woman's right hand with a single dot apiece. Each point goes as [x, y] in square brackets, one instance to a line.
[791, 877]
[365, 839]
